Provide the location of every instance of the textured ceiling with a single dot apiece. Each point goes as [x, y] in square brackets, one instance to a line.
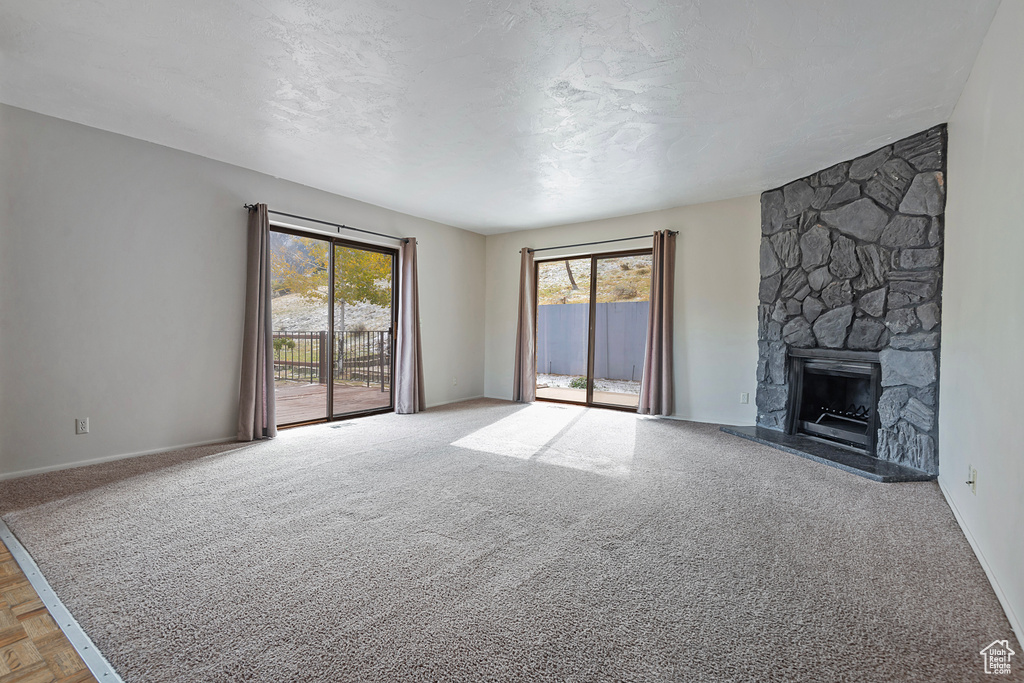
[496, 116]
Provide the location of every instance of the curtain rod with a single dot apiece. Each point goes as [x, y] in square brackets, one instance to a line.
[250, 207]
[588, 244]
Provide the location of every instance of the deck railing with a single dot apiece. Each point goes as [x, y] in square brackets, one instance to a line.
[362, 357]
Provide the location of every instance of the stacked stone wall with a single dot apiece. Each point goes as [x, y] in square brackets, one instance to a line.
[851, 258]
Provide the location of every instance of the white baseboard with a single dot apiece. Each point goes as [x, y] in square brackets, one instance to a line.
[109, 458]
[135, 454]
[704, 420]
[1015, 623]
[454, 400]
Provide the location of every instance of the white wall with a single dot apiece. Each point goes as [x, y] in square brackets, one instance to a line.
[983, 310]
[121, 291]
[716, 299]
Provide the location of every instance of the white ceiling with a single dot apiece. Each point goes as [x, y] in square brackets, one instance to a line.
[497, 116]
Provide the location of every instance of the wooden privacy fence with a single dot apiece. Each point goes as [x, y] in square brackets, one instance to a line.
[620, 331]
[362, 357]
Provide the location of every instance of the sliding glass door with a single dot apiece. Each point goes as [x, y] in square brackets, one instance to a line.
[363, 325]
[591, 326]
[563, 329]
[298, 309]
[332, 309]
[622, 305]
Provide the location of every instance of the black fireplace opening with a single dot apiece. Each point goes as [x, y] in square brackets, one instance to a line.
[835, 397]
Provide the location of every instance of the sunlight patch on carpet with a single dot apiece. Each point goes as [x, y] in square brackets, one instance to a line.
[524, 433]
[578, 447]
[562, 436]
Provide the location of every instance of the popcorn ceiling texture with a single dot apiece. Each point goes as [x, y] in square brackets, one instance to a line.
[506, 115]
[379, 551]
[851, 258]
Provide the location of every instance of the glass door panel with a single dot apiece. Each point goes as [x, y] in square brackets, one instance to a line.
[363, 313]
[563, 329]
[299, 311]
[620, 328]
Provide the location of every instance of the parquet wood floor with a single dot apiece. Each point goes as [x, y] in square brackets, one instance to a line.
[32, 648]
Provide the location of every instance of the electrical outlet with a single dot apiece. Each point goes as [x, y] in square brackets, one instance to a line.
[744, 397]
[974, 481]
[82, 425]
[455, 381]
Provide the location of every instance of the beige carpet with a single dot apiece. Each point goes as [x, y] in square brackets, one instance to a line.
[494, 541]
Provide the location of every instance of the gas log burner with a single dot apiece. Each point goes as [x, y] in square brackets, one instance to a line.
[834, 396]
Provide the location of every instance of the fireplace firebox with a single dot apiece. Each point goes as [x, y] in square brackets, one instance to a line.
[834, 396]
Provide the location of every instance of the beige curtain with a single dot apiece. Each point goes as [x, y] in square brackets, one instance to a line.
[408, 354]
[656, 386]
[524, 386]
[256, 414]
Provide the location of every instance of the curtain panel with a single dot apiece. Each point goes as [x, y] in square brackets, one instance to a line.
[256, 412]
[656, 384]
[409, 395]
[524, 387]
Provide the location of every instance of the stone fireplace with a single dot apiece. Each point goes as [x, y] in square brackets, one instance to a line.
[851, 263]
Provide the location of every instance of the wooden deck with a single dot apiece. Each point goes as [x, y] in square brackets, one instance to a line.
[303, 402]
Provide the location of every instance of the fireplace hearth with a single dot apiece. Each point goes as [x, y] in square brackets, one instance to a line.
[835, 412]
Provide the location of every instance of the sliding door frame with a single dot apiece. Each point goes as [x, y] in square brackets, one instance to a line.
[591, 320]
[332, 242]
